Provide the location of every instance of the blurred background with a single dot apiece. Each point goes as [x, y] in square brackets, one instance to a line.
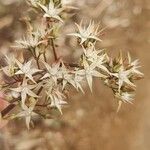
[90, 121]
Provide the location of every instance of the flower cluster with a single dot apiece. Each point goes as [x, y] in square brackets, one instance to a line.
[123, 74]
[40, 83]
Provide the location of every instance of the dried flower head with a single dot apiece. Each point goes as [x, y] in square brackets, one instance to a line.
[51, 11]
[87, 33]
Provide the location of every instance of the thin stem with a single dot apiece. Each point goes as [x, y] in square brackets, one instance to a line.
[40, 90]
[52, 40]
[54, 49]
[74, 65]
[7, 109]
[37, 61]
[44, 55]
[44, 105]
[33, 52]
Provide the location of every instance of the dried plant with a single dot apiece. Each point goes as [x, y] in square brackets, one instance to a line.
[39, 84]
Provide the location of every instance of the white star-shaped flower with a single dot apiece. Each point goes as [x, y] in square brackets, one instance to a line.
[25, 89]
[43, 33]
[29, 42]
[27, 69]
[134, 66]
[100, 63]
[89, 72]
[126, 97]
[66, 75]
[95, 56]
[57, 98]
[123, 77]
[91, 53]
[27, 113]
[86, 33]
[52, 71]
[58, 103]
[52, 11]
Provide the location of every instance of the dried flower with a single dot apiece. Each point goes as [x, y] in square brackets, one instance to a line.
[29, 42]
[25, 89]
[95, 56]
[52, 71]
[26, 69]
[89, 72]
[86, 33]
[123, 77]
[56, 98]
[66, 75]
[51, 11]
[27, 113]
[134, 66]
[126, 97]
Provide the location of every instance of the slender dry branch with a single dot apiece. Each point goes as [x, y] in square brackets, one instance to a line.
[44, 55]
[7, 110]
[54, 49]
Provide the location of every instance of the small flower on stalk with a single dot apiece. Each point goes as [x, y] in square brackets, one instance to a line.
[51, 11]
[123, 77]
[91, 53]
[26, 69]
[134, 66]
[43, 33]
[127, 97]
[27, 113]
[52, 71]
[56, 98]
[66, 75]
[124, 97]
[89, 72]
[58, 103]
[96, 56]
[86, 33]
[30, 42]
[25, 89]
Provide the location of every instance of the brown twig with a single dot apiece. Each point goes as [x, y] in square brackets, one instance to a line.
[44, 55]
[37, 61]
[7, 110]
[54, 49]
